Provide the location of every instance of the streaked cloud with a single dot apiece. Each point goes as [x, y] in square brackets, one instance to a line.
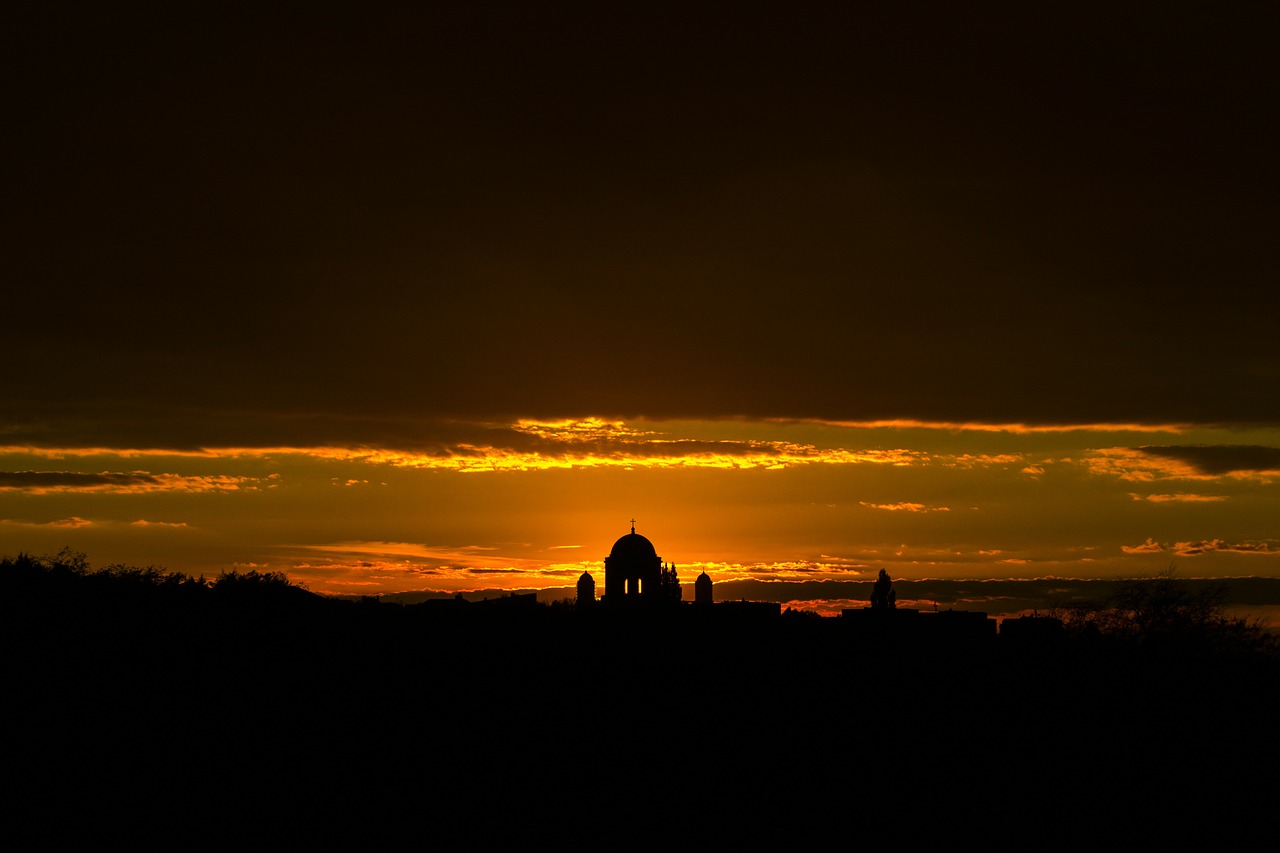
[1218, 460]
[1205, 546]
[1180, 497]
[983, 460]
[448, 566]
[978, 426]
[1131, 464]
[905, 506]
[134, 482]
[1151, 463]
[69, 523]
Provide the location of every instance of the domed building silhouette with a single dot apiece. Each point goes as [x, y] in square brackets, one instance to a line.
[634, 574]
[702, 589]
[586, 589]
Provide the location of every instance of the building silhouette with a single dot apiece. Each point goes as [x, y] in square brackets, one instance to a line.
[634, 574]
[702, 590]
[637, 579]
[586, 590]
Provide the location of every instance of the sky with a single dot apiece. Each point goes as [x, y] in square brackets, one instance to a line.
[439, 297]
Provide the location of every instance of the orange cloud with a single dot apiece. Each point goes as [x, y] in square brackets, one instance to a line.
[973, 460]
[1151, 463]
[1202, 546]
[529, 444]
[1133, 465]
[906, 506]
[1191, 549]
[1180, 497]
[647, 454]
[71, 522]
[972, 426]
[1147, 547]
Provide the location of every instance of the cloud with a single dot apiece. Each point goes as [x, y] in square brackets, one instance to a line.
[528, 444]
[1148, 547]
[1180, 497]
[136, 482]
[71, 523]
[984, 460]
[1208, 462]
[1151, 463]
[383, 550]
[1132, 464]
[418, 557]
[905, 506]
[1203, 546]
[1218, 460]
[42, 482]
[979, 426]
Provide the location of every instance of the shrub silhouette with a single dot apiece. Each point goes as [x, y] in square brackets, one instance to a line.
[1166, 616]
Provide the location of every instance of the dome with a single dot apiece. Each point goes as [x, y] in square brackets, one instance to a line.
[633, 546]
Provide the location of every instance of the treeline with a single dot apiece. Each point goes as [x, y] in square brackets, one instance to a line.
[258, 631]
[68, 575]
[143, 674]
[1160, 615]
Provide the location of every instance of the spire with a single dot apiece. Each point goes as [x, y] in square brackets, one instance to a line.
[633, 525]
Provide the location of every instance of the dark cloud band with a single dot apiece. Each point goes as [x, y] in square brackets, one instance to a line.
[72, 480]
[1221, 459]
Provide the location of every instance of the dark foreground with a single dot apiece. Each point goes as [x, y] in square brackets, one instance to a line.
[282, 720]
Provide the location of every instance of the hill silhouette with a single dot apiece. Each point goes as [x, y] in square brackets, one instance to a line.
[154, 682]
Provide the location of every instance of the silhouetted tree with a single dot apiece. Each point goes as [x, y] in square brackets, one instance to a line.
[883, 595]
[670, 584]
[1166, 615]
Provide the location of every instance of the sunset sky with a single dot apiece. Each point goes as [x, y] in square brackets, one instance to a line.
[439, 297]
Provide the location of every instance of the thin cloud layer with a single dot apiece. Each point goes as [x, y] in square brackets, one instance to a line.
[1219, 460]
[531, 445]
[1151, 463]
[905, 506]
[1269, 548]
[71, 523]
[137, 482]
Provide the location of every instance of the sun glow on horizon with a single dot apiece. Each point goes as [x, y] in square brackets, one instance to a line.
[532, 503]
